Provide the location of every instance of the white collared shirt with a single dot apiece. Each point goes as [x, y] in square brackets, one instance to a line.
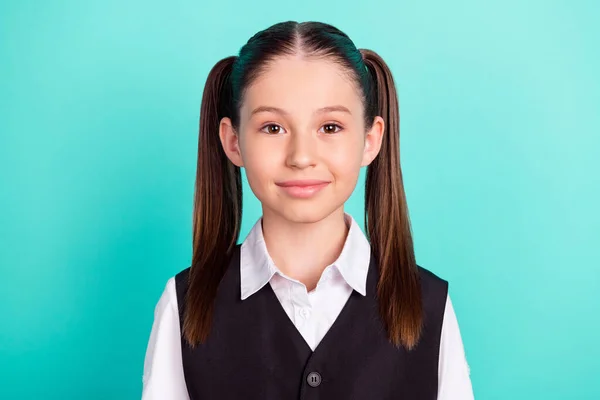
[313, 313]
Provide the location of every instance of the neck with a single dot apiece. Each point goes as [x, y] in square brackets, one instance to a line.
[303, 250]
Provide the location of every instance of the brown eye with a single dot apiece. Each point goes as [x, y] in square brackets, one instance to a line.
[330, 128]
[270, 130]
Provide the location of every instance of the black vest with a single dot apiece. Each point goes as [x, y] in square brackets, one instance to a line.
[254, 350]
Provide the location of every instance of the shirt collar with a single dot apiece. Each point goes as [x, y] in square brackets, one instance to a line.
[257, 268]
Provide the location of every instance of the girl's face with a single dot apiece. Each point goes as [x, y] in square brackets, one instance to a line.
[302, 139]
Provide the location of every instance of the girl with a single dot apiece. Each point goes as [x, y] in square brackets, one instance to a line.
[307, 306]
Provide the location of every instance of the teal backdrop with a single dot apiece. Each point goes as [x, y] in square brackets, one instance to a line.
[500, 136]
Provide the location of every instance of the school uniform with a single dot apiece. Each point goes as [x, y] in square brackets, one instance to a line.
[271, 339]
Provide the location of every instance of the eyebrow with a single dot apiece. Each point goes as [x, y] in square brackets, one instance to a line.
[283, 112]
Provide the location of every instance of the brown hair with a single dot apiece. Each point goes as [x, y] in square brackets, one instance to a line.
[218, 190]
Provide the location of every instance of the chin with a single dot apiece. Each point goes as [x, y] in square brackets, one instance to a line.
[305, 213]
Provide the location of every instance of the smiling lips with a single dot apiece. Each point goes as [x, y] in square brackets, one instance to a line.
[302, 188]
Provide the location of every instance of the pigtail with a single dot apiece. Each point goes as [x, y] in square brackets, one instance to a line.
[387, 219]
[217, 207]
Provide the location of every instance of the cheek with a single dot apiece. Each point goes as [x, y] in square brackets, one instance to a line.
[344, 161]
[259, 169]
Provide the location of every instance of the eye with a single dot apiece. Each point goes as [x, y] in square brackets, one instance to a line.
[329, 129]
[332, 128]
[271, 132]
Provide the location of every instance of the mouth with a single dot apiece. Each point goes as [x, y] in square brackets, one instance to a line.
[302, 188]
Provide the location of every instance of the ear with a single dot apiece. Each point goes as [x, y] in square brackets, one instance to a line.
[373, 140]
[230, 142]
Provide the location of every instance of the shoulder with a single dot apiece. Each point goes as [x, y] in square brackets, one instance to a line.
[230, 272]
[167, 301]
[181, 278]
[429, 278]
[434, 289]
[172, 293]
[179, 282]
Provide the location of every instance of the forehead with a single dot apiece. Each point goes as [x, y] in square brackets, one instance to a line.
[301, 86]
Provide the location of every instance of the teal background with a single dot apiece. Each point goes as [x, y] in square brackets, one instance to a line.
[500, 127]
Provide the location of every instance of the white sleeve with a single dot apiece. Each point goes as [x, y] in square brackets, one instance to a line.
[453, 369]
[163, 369]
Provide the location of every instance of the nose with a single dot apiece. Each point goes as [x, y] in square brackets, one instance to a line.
[302, 150]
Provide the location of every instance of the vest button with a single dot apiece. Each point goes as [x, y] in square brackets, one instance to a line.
[314, 379]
